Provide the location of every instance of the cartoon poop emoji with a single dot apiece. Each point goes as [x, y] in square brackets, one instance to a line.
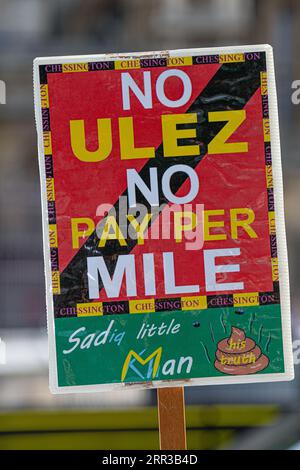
[238, 355]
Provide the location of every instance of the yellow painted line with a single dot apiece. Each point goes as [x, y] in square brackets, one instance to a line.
[125, 429]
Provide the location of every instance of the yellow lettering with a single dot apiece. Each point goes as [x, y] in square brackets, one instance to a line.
[157, 354]
[171, 135]
[208, 224]
[140, 228]
[78, 140]
[128, 150]
[116, 234]
[77, 233]
[219, 144]
[244, 223]
[180, 226]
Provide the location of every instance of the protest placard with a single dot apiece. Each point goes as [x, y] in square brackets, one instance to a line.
[163, 220]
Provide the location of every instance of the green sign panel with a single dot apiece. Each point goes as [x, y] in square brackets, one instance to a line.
[168, 346]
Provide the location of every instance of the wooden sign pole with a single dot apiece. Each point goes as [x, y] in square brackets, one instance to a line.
[171, 418]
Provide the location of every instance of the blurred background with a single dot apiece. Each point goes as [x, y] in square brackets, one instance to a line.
[265, 416]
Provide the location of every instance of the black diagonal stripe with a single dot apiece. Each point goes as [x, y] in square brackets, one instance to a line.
[231, 88]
